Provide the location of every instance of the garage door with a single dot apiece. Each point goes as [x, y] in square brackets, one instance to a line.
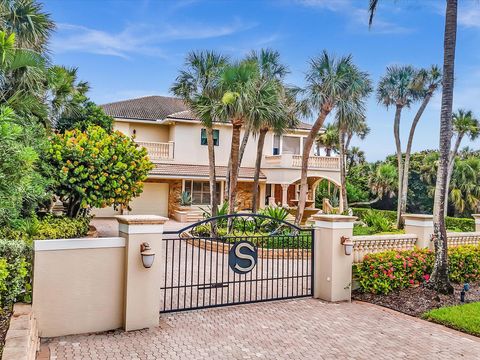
[152, 201]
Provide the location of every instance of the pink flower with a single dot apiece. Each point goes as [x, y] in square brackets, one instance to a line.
[426, 277]
[412, 282]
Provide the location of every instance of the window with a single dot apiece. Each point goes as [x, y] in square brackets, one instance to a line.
[291, 145]
[200, 191]
[276, 145]
[216, 137]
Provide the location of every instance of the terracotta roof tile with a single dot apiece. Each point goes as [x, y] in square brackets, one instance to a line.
[187, 170]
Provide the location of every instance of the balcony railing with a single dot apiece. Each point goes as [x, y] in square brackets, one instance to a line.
[295, 161]
[158, 151]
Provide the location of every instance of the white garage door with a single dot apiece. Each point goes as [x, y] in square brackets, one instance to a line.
[152, 201]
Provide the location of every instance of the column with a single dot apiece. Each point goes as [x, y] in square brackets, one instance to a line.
[142, 285]
[284, 195]
[262, 195]
[477, 222]
[422, 226]
[332, 268]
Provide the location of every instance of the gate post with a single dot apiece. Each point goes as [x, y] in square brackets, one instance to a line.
[332, 268]
[142, 285]
[422, 226]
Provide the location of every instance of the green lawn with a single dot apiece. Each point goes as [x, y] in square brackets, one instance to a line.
[465, 318]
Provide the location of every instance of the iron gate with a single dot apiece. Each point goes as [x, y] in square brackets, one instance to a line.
[235, 259]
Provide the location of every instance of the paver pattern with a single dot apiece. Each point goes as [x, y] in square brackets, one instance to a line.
[288, 329]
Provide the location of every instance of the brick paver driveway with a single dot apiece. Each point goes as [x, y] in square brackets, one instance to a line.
[289, 329]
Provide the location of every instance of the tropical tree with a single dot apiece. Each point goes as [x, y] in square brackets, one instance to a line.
[464, 124]
[465, 185]
[383, 181]
[27, 20]
[331, 84]
[355, 156]
[329, 139]
[439, 279]
[88, 114]
[198, 85]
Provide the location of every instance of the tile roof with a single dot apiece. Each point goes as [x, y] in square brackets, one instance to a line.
[157, 108]
[187, 170]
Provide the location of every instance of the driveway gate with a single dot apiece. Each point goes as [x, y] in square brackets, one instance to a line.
[235, 259]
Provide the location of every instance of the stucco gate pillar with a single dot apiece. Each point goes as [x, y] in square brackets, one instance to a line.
[477, 222]
[332, 268]
[422, 226]
[142, 285]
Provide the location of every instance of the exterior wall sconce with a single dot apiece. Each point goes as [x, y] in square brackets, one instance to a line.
[147, 255]
[347, 244]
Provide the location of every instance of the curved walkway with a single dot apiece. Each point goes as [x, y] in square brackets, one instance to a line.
[291, 329]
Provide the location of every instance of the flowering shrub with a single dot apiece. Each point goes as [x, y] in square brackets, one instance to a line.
[384, 272]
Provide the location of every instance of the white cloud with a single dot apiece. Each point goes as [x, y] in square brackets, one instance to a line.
[139, 38]
[469, 15]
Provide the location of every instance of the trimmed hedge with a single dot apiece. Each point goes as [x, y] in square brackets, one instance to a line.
[452, 223]
[385, 272]
[15, 271]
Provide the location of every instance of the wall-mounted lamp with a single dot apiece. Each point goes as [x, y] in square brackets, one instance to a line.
[347, 244]
[148, 255]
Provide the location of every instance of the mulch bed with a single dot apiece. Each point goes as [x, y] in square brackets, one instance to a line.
[418, 300]
[5, 315]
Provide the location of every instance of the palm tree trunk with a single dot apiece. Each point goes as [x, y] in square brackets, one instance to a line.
[439, 279]
[211, 172]
[451, 164]
[398, 145]
[408, 151]
[234, 154]
[343, 189]
[307, 146]
[243, 146]
[258, 163]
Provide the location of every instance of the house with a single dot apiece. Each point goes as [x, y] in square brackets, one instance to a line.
[177, 145]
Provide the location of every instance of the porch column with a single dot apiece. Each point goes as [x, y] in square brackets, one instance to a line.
[262, 195]
[477, 222]
[332, 268]
[340, 199]
[142, 290]
[285, 195]
[422, 226]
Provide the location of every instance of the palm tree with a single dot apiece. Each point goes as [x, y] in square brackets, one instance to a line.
[383, 181]
[198, 86]
[465, 185]
[329, 139]
[27, 20]
[331, 83]
[464, 124]
[271, 69]
[355, 156]
[439, 279]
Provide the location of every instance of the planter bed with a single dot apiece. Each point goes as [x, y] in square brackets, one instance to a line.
[416, 301]
[5, 315]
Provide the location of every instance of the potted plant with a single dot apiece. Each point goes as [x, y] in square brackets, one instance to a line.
[185, 200]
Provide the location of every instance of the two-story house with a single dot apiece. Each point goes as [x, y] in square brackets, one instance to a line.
[177, 145]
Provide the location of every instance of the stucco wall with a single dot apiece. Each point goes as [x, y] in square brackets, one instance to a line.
[63, 301]
[144, 132]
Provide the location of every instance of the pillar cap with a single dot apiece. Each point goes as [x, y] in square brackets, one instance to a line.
[334, 218]
[476, 216]
[141, 219]
[418, 217]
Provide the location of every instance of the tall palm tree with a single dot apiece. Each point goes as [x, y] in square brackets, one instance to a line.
[28, 21]
[329, 139]
[355, 156]
[271, 69]
[383, 181]
[198, 86]
[439, 279]
[465, 185]
[331, 84]
[428, 81]
[464, 124]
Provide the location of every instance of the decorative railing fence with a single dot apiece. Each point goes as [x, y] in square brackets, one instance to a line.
[158, 150]
[463, 238]
[318, 162]
[373, 244]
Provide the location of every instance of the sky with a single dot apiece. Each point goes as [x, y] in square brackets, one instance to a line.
[133, 48]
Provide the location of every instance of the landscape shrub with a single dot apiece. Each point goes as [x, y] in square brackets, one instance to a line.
[389, 214]
[15, 271]
[378, 221]
[385, 272]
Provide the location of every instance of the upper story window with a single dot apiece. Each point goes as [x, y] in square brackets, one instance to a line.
[291, 145]
[276, 145]
[216, 137]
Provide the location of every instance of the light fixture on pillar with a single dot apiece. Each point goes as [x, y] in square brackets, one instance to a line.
[148, 255]
[347, 244]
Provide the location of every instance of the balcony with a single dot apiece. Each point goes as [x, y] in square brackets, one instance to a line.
[295, 161]
[158, 151]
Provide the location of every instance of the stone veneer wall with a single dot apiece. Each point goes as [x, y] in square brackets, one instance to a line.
[244, 195]
[174, 193]
[21, 341]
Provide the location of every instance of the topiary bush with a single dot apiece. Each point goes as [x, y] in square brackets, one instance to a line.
[385, 272]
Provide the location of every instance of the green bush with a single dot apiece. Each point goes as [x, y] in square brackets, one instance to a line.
[393, 270]
[377, 221]
[15, 271]
[361, 212]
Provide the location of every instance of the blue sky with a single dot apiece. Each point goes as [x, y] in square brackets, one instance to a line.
[128, 49]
